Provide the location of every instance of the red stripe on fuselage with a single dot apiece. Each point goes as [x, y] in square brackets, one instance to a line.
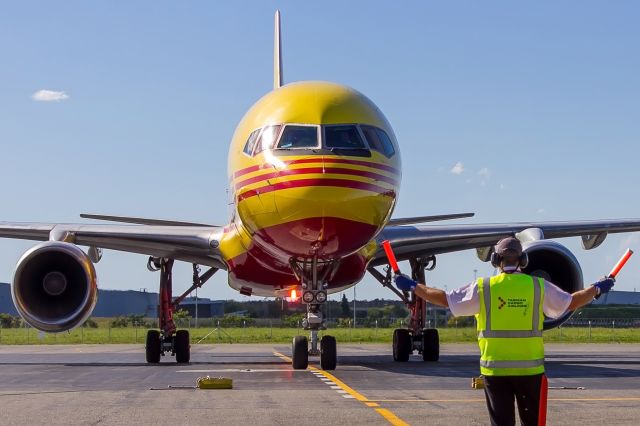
[379, 166]
[309, 170]
[299, 183]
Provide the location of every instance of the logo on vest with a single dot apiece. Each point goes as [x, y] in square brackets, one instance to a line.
[502, 302]
[517, 303]
[512, 303]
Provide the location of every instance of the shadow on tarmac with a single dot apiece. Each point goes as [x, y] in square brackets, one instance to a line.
[559, 366]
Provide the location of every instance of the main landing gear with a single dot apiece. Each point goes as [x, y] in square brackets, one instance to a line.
[314, 295]
[416, 337]
[168, 339]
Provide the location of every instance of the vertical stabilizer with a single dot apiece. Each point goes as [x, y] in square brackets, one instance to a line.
[277, 54]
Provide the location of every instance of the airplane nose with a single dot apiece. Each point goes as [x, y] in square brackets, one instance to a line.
[328, 221]
[329, 207]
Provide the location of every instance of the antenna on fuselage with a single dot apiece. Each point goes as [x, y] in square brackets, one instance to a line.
[277, 54]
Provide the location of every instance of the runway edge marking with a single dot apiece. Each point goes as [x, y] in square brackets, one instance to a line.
[388, 415]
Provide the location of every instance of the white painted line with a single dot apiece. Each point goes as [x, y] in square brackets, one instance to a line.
[341, 391]
[330, 383]
[349, 396]
[336, 387]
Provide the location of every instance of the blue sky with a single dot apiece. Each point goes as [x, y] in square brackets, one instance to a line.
[537, 104]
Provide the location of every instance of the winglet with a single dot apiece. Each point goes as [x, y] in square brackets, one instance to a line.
[277, 54]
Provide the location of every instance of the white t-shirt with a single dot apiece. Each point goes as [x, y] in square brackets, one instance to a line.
[465, 301]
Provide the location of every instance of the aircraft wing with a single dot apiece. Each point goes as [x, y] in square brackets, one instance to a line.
[423, 240]
[193, 244]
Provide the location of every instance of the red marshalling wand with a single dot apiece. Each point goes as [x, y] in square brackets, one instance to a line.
[386, 245]
[620, 263]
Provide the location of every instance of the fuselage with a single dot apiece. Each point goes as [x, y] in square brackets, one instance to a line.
[314, 171]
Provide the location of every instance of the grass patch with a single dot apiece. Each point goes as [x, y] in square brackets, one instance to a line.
[106, 335]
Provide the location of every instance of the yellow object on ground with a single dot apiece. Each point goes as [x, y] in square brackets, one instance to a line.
[214, 383]
[477, 382]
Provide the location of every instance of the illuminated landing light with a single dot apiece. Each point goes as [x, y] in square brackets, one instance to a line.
[293, 297]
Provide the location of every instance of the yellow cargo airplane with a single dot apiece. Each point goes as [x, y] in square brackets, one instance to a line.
[314, 171]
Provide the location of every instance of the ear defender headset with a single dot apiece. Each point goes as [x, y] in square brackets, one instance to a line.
[496, 259]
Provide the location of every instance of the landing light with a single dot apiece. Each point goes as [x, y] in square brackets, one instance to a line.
[307, 296]
[321, 297]
[294, 295]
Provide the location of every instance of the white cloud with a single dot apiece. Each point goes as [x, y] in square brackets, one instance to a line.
[502, 187]
[457, 169]
[541, 211]
[45, 95]
[485, 173]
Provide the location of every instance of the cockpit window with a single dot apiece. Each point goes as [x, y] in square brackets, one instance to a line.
[251, 142]
[343, 136]
[299, 137]
[378, 140]
[268, 138]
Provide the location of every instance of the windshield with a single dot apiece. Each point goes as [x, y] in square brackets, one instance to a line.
[346, 136]
[251, 142]
[378, 140]
[299, 137]
[267, 138]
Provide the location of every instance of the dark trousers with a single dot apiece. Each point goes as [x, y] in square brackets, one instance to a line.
[501, 391]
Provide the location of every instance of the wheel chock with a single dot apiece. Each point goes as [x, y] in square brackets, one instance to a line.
[477, 382]
[209, 382]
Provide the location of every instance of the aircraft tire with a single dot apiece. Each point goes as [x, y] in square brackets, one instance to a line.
[430, 345]
[300, 353]
[402, 345]
[152, 346]
[181, 346]
[328, 353]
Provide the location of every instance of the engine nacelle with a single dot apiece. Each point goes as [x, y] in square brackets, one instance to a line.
[555, 263]
[55, 286]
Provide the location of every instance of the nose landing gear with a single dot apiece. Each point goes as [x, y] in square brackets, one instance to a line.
[301, 349]
[314, 295]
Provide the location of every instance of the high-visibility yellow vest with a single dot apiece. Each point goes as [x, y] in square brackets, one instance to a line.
[510, 324]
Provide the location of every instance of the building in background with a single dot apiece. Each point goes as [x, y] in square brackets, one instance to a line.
[207, 308]
[619, 298]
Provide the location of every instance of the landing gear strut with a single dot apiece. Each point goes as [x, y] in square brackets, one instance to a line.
[168, 338]
[416, 338]
[314, 295]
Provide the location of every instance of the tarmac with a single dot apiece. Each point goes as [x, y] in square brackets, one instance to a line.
[111, 384]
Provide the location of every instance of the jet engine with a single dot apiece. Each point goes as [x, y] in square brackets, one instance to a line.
[55, 286]
[555, 263]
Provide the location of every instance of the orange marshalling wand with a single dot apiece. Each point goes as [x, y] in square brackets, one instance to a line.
[620, 263]
[392, 257]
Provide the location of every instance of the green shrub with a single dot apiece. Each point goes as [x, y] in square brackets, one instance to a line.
[9, 321]
[119, 322]
[90, 323]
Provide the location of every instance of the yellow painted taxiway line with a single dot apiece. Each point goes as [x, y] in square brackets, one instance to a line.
[387, 414]
[484, 400]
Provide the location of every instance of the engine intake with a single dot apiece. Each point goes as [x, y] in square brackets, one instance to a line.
[555, 263]
[55, 286]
